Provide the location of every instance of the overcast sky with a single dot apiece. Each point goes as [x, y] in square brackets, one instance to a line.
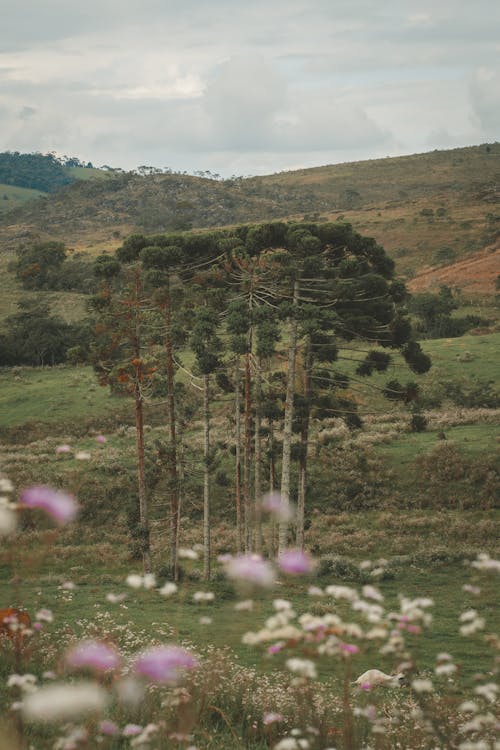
[247, 87]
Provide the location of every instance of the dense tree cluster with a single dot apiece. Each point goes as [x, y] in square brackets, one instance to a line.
[49, 266]
[43, 172]
[266, 310]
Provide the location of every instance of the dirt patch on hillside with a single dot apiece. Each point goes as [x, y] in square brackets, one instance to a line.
[476, 274]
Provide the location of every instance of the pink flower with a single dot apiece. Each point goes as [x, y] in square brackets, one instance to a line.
[349, 648]
[164, 663]
[101, 439]
[108, 727]
[93, 654]
[63, 448]
[37, 626]
[295, 562]
[270, 717]
[131, 730]
[250, 569]
[62, 507]
[276, 647]
[273, 504]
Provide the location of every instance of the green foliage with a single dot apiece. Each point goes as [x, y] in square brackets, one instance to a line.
[43, 172]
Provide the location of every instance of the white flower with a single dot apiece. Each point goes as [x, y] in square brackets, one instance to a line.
[64, 701]
[205, 620]
[422, 686]
[168, 589]
[149, 581]
[203, 596]
[470, 614]
[302, 667]
[187, 554]
[8, 520]
[6, 485]
[485, 562]
[82, 456]
[134, 580]
[315, 591]
[370, 592]
[468, 707]
[281, 604]
[115, 598]
[244, 605]
[342, 592]
[445, 669]
[488, 691]
[45, 615]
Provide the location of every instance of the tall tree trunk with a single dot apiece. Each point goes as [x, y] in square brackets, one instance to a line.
[141, 479]
[172, 454]
[247, 455]
[237, 427]
[287, 427]
[139, 428]
[258, 461]
[206, 478]
[304, 444]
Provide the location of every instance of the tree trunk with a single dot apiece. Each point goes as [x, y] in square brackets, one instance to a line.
[257, 463]
[172, 454]
[247, 454]
[287, 427]
[237, 427]
[206, 478]
[304, 445]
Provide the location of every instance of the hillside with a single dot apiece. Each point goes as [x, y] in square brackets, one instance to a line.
[428, 210]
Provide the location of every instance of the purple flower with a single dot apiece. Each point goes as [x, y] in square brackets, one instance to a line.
[164, 663]
[270, 717]
[93, 654]
[250, 569]
[62, 507]
[295, 562]
[101, 439]
[273, 504]
[108, 727]
[349, 648]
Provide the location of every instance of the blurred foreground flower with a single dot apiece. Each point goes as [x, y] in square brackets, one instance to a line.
[295, 562]
[60, 506]
[250, 569]
[93, 654]
[8, 520]
[273, 504]
[64, 701]
[164, 663]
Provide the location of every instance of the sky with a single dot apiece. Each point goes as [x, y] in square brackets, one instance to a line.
[245, 88]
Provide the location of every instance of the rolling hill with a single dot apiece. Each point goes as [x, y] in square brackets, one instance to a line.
[431, 211]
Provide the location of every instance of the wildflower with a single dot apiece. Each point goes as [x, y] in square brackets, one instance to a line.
[164, 663]
[295, 562]
[68, 586]
[485, 562]
[445, 669]
[244, 605]
[131, 730]
[8, 520]
[342, 592]
[108, 727]
[468, 707]
[63, 448]
[187, 554]
[205, 620]
[302, 667]
[115, 598]
[64, 701]
[82, 456]
[134, 581]
[45, 615]
[149, 581]
[250, 569]
[488, 691]
[203, 596]
[315, 591]
[6, 485]
[422, 686]
[273, 504]
[276, 647]
[271, 718]
[93, 654]
[370, 592]
[168, 589]
[101, 439]
[26, 682]
[469, 589]
[349, 648]
[62, 507]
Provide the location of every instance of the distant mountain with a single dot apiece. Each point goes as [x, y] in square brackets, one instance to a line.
[427, 210]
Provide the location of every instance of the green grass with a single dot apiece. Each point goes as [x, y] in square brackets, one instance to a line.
[12, 197]
[53, 395]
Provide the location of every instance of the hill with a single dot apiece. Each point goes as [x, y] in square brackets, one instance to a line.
[428, 210]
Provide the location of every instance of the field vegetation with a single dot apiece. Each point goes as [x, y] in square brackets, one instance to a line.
[400, 523]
